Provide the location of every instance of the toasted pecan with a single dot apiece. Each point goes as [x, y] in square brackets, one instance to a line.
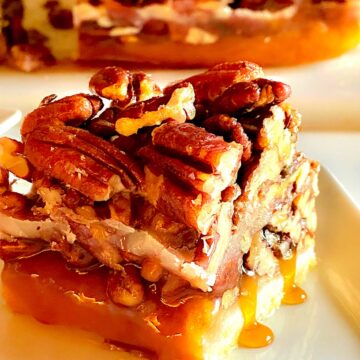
[72, 110]
[123, 86]
[85, 162]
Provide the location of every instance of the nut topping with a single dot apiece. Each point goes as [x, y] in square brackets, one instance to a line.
[123, 86]
[87, 163]
[179, 106]
[12, 158]
[72, 110]
[212, 83]
[204, 149]
[151, 270]
[125, 287]
[229, 128]
[186, 170]
[250, 95]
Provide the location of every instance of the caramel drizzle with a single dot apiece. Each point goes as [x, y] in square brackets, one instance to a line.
[253, 333]
[293, 294]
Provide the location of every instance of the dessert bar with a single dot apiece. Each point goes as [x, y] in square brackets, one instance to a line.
[173, 220]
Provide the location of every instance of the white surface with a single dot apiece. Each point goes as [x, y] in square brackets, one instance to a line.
[339, 152]
[327, 326]
[8, 119]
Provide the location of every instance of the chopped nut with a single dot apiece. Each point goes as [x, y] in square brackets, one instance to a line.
[151, 270]
[179, 107]
[125, 287]
[12, 158]
[120, 208]
[231, 193]
[12, 203]
[87, 212]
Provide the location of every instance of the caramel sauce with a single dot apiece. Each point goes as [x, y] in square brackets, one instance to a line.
[64, 297]
[253, 334]
[293, 294]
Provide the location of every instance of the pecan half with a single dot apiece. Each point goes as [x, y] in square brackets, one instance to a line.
[212, 83]
[123, 86]
[176, 168]
[195, 209]
[71, 110]
[196, 145]
[81, 160]
[232, 130]
[187, 168]
[250, 95]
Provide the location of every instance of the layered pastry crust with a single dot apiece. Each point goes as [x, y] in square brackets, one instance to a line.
[173, 212]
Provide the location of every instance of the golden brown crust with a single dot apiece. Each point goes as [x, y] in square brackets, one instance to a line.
[315, 33]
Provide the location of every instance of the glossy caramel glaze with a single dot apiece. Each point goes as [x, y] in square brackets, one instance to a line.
[253, 334]
[45, 289]
[293, 294]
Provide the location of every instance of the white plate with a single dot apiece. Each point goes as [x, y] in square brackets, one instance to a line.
[8, 119]
[340, 153]
[327, 326]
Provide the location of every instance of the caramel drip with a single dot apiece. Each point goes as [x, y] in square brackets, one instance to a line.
[293, 294]
[253, 334]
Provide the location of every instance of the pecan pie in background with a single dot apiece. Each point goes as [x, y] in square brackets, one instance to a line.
[179, 33]
[173, 220]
